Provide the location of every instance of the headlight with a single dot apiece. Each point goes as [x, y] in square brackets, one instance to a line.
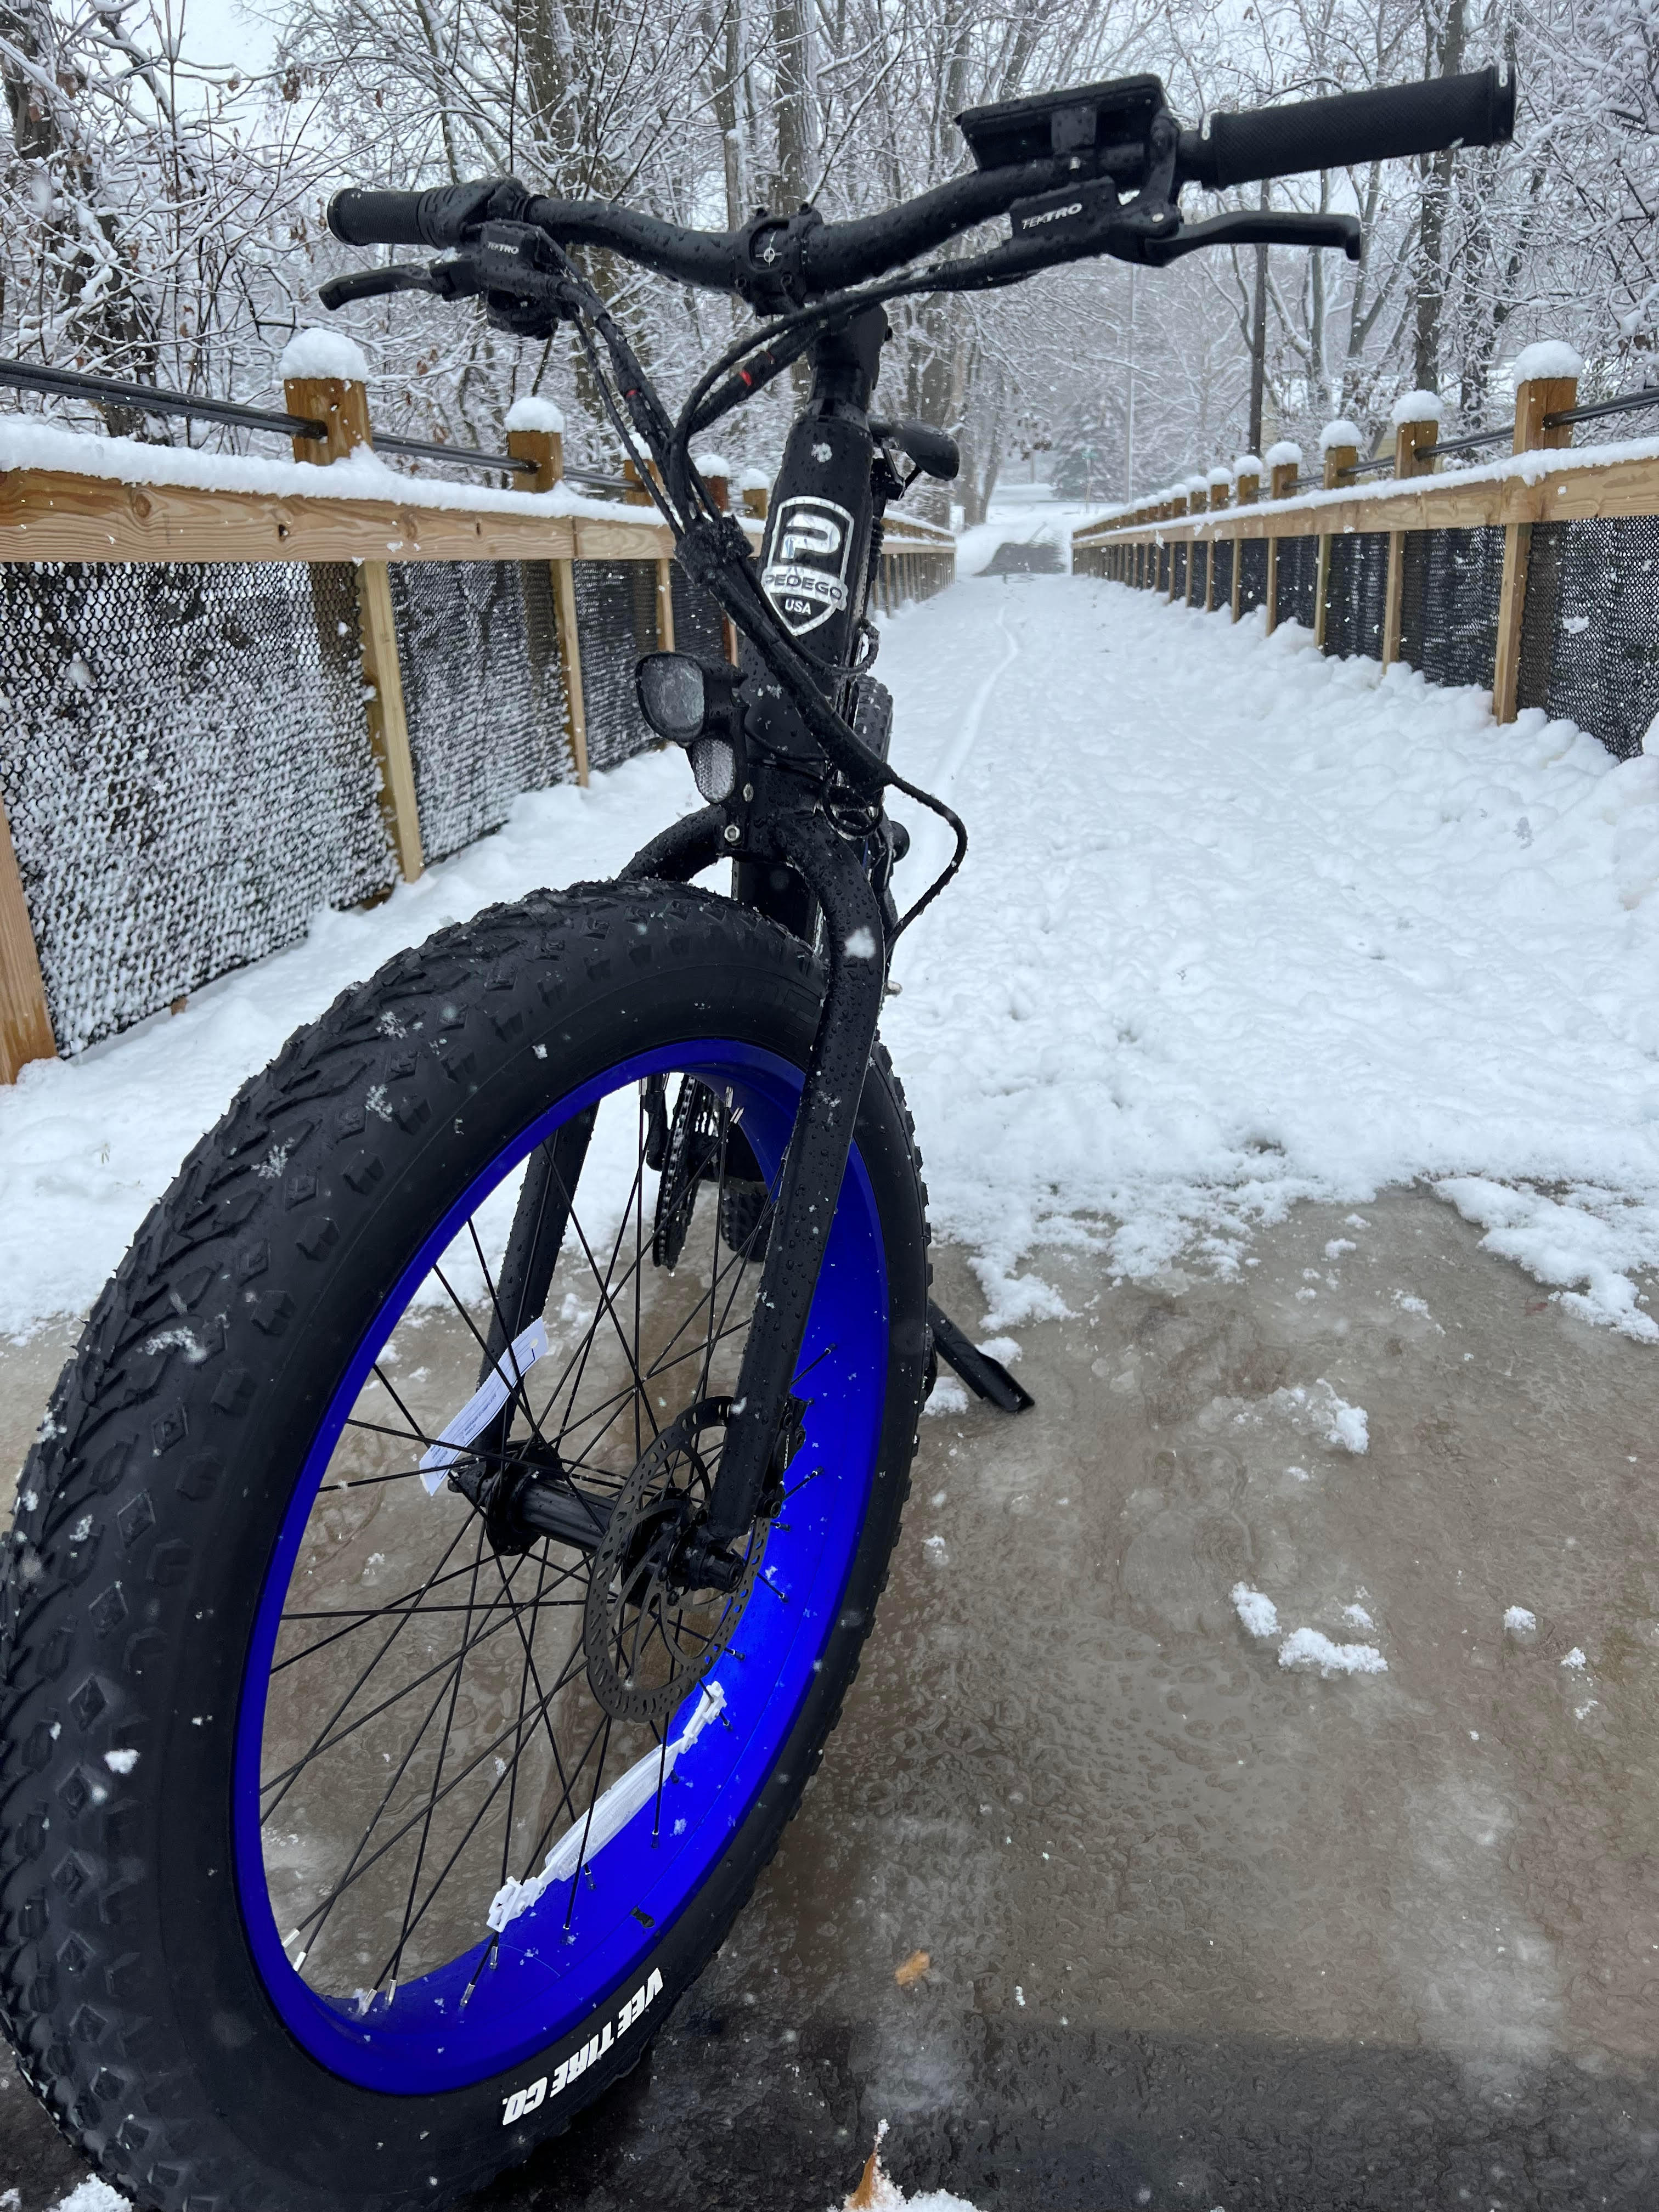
[673, 695]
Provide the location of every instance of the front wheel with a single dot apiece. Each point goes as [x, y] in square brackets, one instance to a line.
[377, 1776]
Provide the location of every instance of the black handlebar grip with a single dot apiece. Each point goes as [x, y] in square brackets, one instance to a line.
[435, 218]
[360, 217]
[1353, 127]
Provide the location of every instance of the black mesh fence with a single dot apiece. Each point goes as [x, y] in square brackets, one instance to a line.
[1355, 594]
[1590, 639]
[184, 764]
[1178, 569]
[1200, 561]
[616, 622]
[484, 691]
[1252, 574]
[1221, 554]
[1298, 580]
[1450, 590]
[1164, 553]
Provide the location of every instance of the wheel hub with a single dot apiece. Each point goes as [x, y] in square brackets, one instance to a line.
[659, 1612]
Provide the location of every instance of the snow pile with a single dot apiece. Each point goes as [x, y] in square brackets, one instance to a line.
[1307, 1649]
[1283, 455]
[1219, 478]
[27, 441]
[711, 464]
[1586, 1241]
[877, 2192]
[92, 2195]
[1520, 1623]
[324, 352]
[1320, 1412]
[1258, 1615]
[1549, 361]
[532, 413]
[1417, 407]
[1249, 465]
[753, 480]
[1340, 432]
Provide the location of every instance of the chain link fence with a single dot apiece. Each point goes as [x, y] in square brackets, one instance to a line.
[184, 760]
[484, 691]
[184, 768]
[1355, 594]
[1448, 599]
[1589, 638]
[1298, 580]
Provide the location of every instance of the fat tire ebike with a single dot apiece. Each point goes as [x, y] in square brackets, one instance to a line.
[451, 1545]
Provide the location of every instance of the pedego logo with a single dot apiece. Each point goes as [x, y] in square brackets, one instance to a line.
[806, 579]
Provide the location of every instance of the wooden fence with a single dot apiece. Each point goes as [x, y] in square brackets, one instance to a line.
[223, 708]
[1536, 578]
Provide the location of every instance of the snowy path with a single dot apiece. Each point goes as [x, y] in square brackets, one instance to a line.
[1238, 925]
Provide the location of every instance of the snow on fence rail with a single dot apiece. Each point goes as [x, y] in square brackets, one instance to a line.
[233, 689]
[1536, 578]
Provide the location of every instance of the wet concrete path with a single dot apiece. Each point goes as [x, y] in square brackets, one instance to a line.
[1205, 1930]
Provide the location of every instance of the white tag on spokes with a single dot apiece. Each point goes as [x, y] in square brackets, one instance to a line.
[482, 1408]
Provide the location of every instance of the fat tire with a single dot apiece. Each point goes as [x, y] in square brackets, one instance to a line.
[147, 1509]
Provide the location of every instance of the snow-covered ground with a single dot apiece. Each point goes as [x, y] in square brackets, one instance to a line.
[1239, 924]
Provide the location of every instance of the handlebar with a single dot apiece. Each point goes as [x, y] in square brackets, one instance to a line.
[1105, 141]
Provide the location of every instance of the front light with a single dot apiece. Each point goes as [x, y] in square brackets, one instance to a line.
[673, 695]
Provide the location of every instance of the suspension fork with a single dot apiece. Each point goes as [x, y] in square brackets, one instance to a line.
[814, 1166]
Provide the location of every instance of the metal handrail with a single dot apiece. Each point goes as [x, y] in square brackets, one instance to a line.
[150, 399]
[1648, 397]
[419, 449]
[76, 384]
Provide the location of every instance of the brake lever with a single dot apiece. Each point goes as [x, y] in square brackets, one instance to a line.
[370, 283]
[1252, 227]
[451, 278]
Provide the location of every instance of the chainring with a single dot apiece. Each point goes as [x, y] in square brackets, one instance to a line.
[648, 1640]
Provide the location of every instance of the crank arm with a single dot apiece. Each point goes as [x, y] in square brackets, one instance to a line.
[813, 1168]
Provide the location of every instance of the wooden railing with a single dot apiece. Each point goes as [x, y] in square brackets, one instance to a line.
[81, 514]
[1169, 543]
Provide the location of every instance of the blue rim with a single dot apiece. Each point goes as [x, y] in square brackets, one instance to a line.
[546, 1981]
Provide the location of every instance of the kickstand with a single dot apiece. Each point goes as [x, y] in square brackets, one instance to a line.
[985, 1376]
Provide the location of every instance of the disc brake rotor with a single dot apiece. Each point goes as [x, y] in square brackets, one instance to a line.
[648, 1636]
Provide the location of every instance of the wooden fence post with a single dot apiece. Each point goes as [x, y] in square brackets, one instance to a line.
[1284, 465]
[535, 432]
[1545, 383]
[1247, 479]
[1339, 442]
[1417, 420]
[323, 377]
[26, 1031]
